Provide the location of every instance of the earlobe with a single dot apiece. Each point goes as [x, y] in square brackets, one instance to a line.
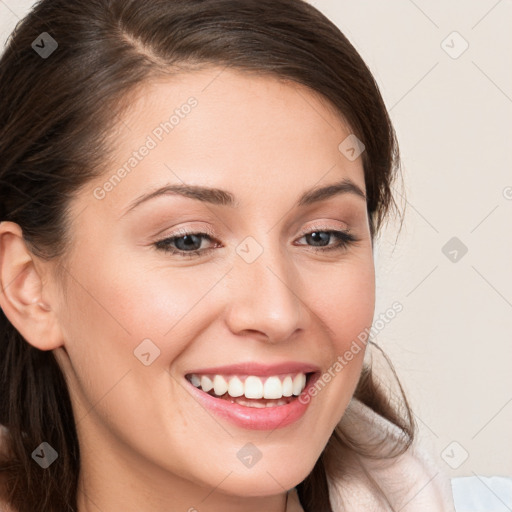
[21, 291]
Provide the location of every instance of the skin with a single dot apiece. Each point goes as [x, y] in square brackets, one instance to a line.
[146, 443]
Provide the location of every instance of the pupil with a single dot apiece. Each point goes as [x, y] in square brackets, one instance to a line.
[317, 236]
[188, 241]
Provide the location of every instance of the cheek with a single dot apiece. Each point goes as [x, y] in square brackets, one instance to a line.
[110, 312]
[345, 300]
[122, 317]
[122, 303]
[345, 303]
[110, 308]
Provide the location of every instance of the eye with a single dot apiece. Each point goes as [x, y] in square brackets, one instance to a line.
[185, 244]
[188, 244]
[320, 237]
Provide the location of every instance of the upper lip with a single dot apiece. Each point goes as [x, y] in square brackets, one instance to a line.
[258, 369]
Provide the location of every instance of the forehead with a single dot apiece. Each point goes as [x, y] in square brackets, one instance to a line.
[262, 109]
[238, 130]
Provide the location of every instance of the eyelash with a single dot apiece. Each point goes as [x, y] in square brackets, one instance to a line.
[345, 239]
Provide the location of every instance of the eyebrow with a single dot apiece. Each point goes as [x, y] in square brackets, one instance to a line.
[217, 196]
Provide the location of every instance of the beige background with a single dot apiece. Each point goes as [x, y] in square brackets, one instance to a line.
[451, 344]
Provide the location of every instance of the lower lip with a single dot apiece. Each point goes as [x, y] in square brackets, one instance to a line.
[268, 418]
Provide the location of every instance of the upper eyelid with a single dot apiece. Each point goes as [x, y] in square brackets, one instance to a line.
[204, 231]
[324, 227]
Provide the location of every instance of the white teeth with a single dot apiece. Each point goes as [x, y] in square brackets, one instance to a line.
[236, 387]
[220, 386]
[206, 383]
[253, 387]
[279, 402]
[273, 388]
[298, 383]
[287, 386]
[258, 405]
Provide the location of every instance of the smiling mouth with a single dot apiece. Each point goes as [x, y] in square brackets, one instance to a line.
[252, 390]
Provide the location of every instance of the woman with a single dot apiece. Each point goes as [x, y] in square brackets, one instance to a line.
[190, 193]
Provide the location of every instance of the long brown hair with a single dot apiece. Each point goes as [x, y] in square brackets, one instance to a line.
[57, 113]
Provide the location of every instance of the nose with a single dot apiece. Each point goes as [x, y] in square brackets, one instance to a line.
[265, 298]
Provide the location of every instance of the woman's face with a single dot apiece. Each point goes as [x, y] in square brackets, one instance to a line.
[139, 315]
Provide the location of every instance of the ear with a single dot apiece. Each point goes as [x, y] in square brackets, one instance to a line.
[21, 291]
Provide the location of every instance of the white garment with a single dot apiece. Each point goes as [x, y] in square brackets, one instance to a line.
[411, 482]
[482, 493]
